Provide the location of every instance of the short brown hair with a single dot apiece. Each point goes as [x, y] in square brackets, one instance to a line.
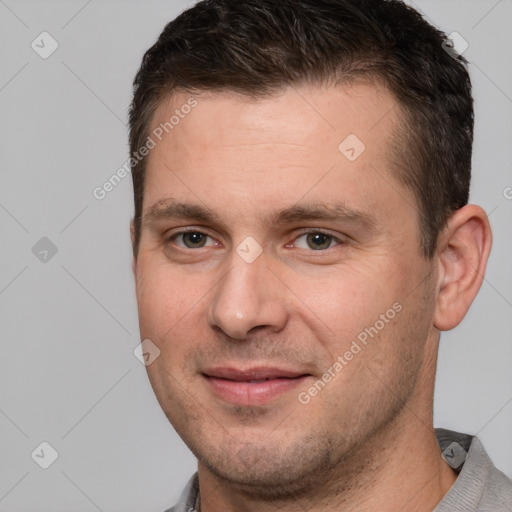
[257, 47]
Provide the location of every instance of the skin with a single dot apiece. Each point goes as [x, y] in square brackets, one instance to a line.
[365, 441]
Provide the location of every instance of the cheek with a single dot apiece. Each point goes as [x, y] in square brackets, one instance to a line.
[165, 299]
[345, 299]
[359, 312]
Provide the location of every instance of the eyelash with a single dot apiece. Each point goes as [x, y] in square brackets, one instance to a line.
[182, 233]
[337, 241]
[334, 240]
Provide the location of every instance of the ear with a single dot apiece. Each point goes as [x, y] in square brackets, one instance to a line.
[463, 250]
[132, 237]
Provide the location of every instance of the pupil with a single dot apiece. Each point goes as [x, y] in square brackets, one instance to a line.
[319, 241]
[194, 239]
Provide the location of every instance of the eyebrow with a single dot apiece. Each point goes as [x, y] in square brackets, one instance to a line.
[322, 211]
[172, 209]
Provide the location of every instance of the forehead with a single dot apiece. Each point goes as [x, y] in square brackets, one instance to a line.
[296, 111]
[306, 142]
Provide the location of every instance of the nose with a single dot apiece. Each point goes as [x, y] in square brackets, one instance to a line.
[248, 298]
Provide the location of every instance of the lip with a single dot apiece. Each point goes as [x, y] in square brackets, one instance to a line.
[252, 386]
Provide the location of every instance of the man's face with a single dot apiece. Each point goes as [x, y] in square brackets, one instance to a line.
[266, 251]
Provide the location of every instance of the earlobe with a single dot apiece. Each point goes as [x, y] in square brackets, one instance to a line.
[463, 250]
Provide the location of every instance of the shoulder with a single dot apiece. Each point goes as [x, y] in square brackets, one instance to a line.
[497, 493]
[188, 497]
[480, 486]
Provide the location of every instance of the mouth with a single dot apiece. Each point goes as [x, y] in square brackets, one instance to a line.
[254, 386]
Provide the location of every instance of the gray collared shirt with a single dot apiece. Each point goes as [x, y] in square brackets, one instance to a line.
[480, 486]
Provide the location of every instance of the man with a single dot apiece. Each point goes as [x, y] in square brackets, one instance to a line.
[301, 237]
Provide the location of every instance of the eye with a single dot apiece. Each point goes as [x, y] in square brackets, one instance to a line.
[191, 239]
[316, 240]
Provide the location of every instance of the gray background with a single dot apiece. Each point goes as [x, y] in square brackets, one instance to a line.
[68, 325]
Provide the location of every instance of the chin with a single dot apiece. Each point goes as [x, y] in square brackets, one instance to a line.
[270, 473]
